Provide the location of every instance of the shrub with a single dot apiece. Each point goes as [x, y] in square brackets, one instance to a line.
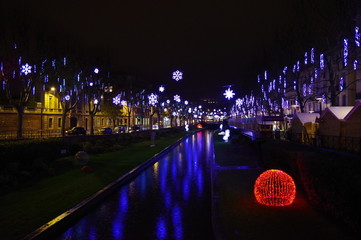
[81, 158]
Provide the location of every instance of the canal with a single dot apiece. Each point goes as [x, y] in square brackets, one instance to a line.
[169, 200]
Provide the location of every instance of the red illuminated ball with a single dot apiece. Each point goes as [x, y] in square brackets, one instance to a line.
[275, 188]
[199, 125]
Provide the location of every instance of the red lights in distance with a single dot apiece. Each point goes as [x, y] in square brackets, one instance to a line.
[275, 188]
[199, 125]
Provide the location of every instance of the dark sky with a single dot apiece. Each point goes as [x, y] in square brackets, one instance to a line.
[215, 43]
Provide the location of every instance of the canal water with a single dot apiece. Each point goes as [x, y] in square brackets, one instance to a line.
[169, 200]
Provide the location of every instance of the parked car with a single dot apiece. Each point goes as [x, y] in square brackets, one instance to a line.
[105, 130]
[120, 129]
[135, 128]
[75, 131]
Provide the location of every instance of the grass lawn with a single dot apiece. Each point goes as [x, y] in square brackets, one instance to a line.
[239, 216]
[25, 210]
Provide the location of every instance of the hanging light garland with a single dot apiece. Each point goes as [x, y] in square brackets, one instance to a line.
[345, 51]
[322, 61]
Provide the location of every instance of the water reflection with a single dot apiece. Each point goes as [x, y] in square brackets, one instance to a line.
[169, 200]
[161, 228]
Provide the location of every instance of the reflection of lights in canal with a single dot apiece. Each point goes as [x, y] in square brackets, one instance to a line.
[160, 201]
[161, 228]
[177, 222]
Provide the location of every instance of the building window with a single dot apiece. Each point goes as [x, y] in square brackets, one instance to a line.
[50, 102]
[59, 122]
[50, 123]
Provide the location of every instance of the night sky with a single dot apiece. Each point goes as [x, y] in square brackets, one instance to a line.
[215, 43]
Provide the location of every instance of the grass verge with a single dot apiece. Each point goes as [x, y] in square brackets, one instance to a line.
[25, 210]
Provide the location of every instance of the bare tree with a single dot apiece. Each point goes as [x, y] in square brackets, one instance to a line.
[21, 72]
[330, 27]
[93, 89]
[65, 75]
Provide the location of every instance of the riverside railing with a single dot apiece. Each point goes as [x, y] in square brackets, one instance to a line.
[341, 143]
[30, 134]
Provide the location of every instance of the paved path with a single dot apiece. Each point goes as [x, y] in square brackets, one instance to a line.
[237, 215]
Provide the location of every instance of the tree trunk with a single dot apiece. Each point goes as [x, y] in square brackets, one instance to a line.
[302, 108]
[332, 90]
[20, 110]
[63, 121]
[171, 121]
[129, 120]
[91, 124]
[151, 120]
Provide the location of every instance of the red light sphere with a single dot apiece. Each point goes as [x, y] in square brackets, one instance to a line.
[275, 188]
[199, 125]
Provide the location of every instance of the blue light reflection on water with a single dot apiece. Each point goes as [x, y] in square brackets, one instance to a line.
[169, 200]
[161, 228]
[117, 223]
[177, 222]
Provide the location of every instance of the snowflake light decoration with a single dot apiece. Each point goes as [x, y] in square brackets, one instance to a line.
[238, 102]
[67, 97]
[26, 69]
[116, 100]
[229, 93]
[177, 98]
[186, 102]
[153, 99]
[96, 70]
[161, 89]
[123, 103]
[177, 75]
